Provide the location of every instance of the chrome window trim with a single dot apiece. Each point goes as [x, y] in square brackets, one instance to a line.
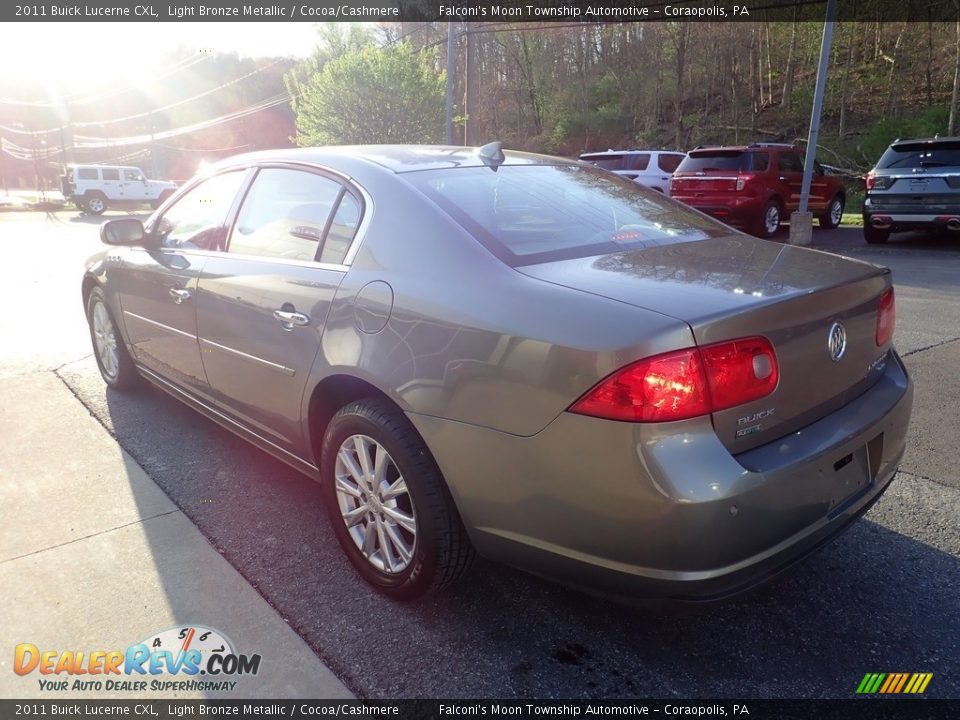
[256, 258]
[290, 372]
[349, 182]
[160, 325]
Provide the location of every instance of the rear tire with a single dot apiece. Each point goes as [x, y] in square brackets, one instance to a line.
[769, 221]
[95, 203]
[831, 218]
[875, 236]
[405, 536]
[116, 366]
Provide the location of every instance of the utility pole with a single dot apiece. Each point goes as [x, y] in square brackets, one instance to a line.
[802, 234]
[451, 71]
[471, 87]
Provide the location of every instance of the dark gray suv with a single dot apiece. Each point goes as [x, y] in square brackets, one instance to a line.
[915, 185]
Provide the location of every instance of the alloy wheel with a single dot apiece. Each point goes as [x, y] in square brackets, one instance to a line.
[771, 220]
[105, 340]
[375, 504]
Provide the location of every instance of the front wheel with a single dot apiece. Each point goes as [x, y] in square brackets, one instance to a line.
[834, 214]
[389, 505]
[113, 359]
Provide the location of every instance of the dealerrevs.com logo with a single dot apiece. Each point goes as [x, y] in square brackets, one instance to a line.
[192, 658]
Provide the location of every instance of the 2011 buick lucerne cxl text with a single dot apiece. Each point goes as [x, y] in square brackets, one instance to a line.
[514, 355]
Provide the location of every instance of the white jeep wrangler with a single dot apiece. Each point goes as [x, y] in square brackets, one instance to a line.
[95, 187]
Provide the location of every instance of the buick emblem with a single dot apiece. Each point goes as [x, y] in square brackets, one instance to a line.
[837, 341]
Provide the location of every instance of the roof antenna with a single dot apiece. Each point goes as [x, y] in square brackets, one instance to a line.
[492, 154]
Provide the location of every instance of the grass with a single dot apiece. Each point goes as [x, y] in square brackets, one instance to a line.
[854, 219]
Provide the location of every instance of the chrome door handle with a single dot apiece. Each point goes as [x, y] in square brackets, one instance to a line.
[179, 295]
[289, 320]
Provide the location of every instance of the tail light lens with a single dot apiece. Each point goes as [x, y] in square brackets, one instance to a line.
[741, 182]
[686, 383]
[886, 317]
[878, 182]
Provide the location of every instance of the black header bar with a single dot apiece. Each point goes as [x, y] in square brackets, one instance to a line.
[486, 11]
[860, 709]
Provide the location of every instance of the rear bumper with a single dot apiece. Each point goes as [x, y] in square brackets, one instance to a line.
[740, 212]
[905, 216]
[665, 510]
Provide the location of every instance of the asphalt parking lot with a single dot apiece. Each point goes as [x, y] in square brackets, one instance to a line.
[882, 598]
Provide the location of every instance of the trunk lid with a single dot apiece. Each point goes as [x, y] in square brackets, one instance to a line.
[739, 287]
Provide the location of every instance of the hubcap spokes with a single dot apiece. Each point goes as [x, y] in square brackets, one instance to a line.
[105, 340]
[375, 504]
[836, 212]
[773, 219]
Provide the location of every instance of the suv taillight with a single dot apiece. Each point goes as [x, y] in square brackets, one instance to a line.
[886, 317]
[685, 383]
[741, 182]
[877, 182]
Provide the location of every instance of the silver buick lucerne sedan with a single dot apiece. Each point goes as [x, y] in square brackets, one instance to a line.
[516, 355]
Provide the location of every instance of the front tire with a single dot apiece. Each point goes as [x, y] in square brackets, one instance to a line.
[116, 366]
[389, 504]
[833, 215]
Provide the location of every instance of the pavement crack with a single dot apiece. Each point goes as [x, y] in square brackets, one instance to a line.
[917, 476]
[930, 347]
[139, 521]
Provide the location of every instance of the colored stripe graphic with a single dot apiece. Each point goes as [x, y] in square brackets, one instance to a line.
[894, 683]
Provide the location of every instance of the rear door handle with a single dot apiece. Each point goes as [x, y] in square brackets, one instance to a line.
[179, 295]
[290, 320]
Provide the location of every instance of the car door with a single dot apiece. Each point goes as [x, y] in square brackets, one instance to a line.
[158, 286]
[133, 186]
[110, 184]
[790, 175]
[263, 303]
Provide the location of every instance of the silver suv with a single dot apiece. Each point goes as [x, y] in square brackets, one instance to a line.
[915, 185]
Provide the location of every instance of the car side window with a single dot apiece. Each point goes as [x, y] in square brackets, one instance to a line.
[111, 174]
[342, 229]
[132, 175]
[88, 174]
[790, 162]
[638, 161]
[284, 214]
[761, 161]
[198, 219]
[668, 162]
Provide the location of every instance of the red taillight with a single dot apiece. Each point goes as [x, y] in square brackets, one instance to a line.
[686, 383]
[886, 317]
[871, 180]
[741, 182]
[740, 371]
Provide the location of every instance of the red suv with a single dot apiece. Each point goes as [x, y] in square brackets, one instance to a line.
[754, 187]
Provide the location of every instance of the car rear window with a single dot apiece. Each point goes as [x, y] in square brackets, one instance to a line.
[608, 161]
[526, 214]
[918, 155]
[706, 161]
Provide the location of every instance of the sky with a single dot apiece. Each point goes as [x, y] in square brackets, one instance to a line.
[93, 53]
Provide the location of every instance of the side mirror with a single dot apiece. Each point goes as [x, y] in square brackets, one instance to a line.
[123, 231]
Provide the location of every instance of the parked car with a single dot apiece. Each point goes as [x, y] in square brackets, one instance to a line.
[755, 187]
[652, 168]
[915, 186]
[94, 188]
[516, 355]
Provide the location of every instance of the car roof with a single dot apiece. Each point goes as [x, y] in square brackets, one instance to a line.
[744, 148]
[922, 141]
[396, 158]
[601, 153]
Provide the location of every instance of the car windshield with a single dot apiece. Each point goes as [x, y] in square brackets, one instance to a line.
[919, 155]
[526, 214]
[717, 160]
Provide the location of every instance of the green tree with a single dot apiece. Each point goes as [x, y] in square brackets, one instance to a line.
[373, 95]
